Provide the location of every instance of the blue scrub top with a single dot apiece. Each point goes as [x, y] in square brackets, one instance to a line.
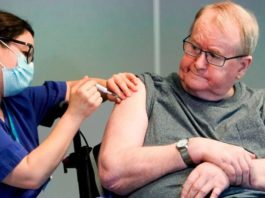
[28, 110]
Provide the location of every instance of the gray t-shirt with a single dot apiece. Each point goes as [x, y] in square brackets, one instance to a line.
[174, 114]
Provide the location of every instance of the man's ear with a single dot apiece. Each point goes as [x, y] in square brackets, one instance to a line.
[245, 63]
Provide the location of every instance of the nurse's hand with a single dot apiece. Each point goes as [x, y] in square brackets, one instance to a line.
[84, 98]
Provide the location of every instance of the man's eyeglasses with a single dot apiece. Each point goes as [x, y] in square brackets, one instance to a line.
[212, 58]
[29, 54]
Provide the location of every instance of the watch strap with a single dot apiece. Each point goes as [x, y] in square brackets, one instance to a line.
[185, 156]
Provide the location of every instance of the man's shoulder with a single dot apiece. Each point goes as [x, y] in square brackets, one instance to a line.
[152, 78]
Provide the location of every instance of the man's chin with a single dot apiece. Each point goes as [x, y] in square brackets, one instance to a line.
[194, 87]
[198, 84]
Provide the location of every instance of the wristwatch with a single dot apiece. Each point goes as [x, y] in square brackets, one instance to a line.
[182, 146]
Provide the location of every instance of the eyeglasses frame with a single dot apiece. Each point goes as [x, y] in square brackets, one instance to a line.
[207, 52]
[31, 47]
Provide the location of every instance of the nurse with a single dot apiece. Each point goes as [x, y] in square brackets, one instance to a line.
[26, 165]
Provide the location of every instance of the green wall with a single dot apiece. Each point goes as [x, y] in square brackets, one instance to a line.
[103, 37]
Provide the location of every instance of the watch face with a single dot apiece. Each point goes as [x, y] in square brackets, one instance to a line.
[182, 143]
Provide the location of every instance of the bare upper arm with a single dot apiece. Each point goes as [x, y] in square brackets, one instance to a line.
[127, 124]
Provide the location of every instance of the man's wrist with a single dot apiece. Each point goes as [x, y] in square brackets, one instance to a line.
[197, 149]
[182, 146]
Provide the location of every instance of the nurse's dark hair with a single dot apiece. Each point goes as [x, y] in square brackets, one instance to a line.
[12, 26]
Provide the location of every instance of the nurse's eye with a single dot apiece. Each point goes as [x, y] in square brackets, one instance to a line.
[25, 53]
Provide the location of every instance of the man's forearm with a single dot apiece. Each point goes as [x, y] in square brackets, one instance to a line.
[137, 167]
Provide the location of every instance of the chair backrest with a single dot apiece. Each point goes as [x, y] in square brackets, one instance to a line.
[84, 160]
[98, 190]
[94, 178]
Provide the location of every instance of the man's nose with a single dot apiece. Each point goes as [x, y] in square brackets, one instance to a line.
[200, 61]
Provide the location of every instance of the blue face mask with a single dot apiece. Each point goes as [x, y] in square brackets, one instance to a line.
[18, 78]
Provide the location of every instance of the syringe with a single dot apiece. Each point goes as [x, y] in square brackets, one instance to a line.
[105, 90]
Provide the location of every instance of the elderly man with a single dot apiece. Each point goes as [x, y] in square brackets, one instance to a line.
[196, 133]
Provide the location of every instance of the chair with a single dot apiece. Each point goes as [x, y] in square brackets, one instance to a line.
[84, 160]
